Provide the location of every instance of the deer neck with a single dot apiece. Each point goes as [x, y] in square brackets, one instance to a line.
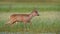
[30, 17]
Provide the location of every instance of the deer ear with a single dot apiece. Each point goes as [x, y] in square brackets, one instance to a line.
[34, 10]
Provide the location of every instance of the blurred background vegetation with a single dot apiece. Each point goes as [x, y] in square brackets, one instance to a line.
[28, 5]
[48, 1]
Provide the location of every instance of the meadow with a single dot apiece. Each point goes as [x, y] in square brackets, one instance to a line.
[48, 21]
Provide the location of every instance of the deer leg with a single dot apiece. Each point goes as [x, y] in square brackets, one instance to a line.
[16, 23]
[30, 25]
[24, 26]
[11, 22]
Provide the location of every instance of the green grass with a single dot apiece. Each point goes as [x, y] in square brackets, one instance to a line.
[46, 22]
[25, 7]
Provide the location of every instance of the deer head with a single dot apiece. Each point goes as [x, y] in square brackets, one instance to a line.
[35, 13]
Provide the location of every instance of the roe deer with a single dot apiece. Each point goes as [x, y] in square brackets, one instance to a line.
[25, 18]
